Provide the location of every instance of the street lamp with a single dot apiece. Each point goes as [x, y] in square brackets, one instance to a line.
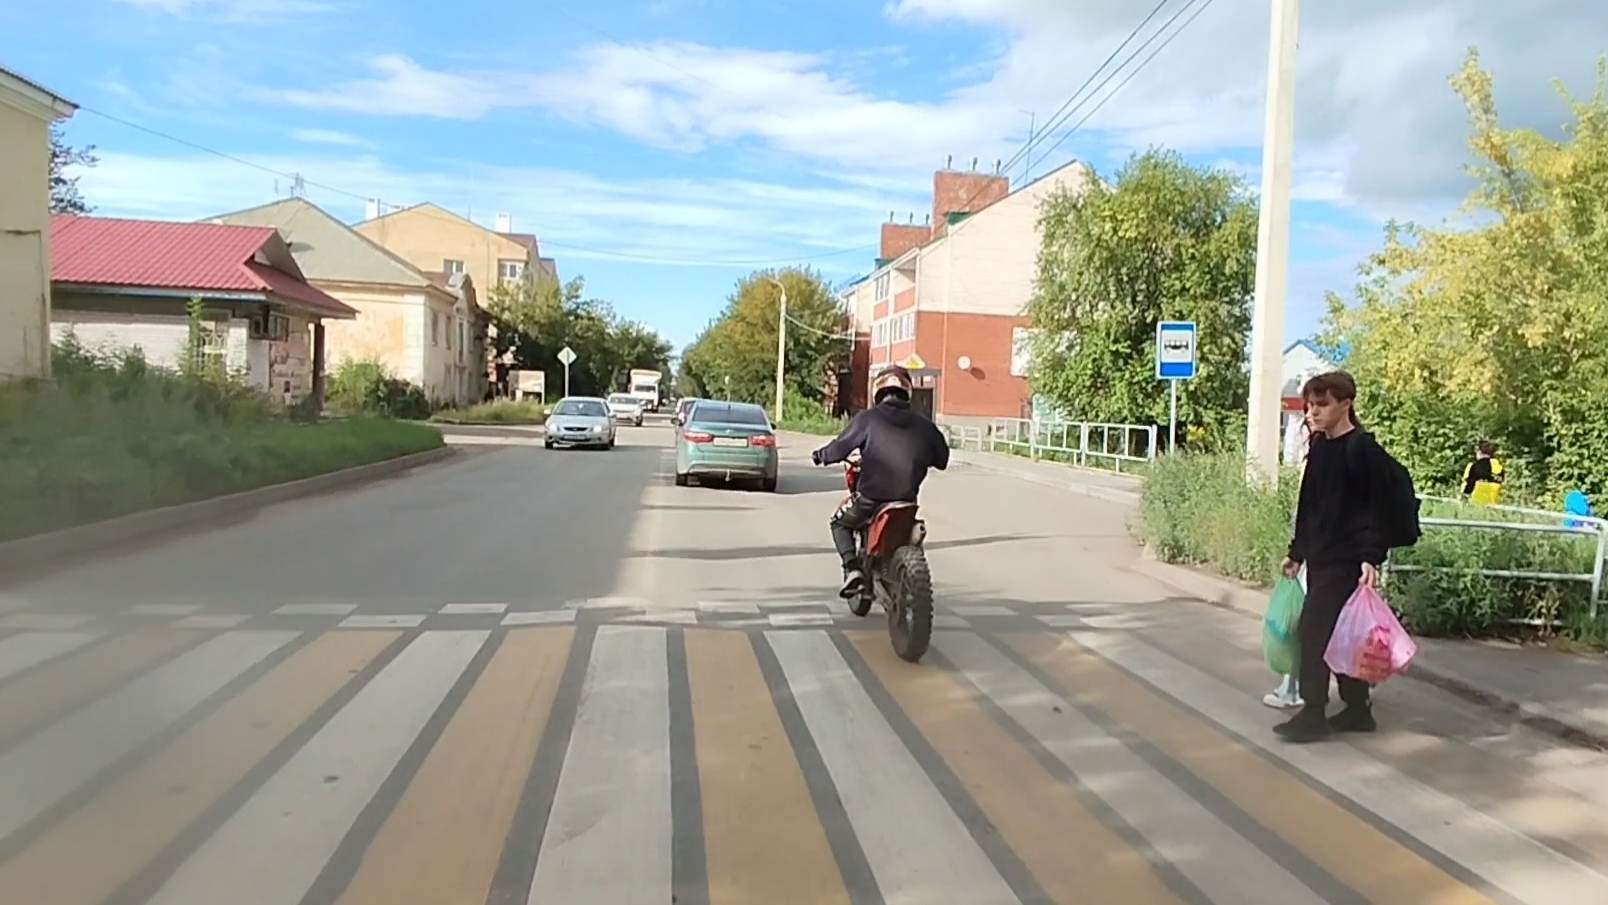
[781, 345]
[1273, 245]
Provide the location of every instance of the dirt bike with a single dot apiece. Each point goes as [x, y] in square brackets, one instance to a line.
[896, 574]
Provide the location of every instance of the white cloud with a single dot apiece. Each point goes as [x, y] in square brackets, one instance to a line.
[669, 220]
[329, 137]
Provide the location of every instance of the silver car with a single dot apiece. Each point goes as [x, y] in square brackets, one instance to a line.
[580, 421]
[626, 408]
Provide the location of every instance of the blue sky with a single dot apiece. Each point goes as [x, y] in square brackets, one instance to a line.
[663, 148]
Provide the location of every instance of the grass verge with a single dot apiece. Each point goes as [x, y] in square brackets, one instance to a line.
[113, 436]
[500, 411]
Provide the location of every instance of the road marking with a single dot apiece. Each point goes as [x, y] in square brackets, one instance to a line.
[1171, 821]
[44, 622]
[1349, 848]
[473, 609]
[165, 609]
[789, 620]
[68, 683]
[1033, 810]
[764, 840]
[539, 617]
[39, 772]
[325, 784]
[727, 606]
[985, 609]
[104, 844]
[20, 653]
[316, 609]
[1521, 866]
[917, 847]
[413, 620]
[443, 841]
[608, 838]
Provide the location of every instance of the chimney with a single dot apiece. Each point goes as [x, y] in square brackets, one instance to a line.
[505, 223]
[371, 209]
[898, 238]
[964, 193]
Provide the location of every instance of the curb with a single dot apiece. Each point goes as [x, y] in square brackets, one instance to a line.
[1072, 484]
[1251, 602]
[28, 556]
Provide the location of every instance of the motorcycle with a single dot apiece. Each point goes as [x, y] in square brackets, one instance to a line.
[894, 563]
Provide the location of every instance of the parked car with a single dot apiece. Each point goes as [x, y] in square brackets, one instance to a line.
[626, 408]
[726, 441]
[580, 421]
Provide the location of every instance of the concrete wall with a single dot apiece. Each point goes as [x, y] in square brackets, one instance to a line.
[426, 237]
[24, 244]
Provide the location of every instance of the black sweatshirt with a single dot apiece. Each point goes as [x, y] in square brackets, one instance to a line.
[1334, 518]
[897, 445]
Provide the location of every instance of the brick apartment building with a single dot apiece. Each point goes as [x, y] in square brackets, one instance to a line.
[947, 296]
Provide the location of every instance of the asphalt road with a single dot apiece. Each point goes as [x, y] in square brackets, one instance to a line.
[526, 676]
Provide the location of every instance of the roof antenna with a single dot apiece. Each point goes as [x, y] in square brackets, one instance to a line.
[998, 165]
[912, 218]
[974, 165]
[949, 162]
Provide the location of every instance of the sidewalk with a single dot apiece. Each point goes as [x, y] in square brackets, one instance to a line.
[1563, 694]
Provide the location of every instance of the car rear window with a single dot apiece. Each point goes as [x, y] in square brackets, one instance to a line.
[719, 413]
[581, 408]
[623, 400]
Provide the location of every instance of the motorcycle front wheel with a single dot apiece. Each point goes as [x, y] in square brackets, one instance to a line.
[910, 617]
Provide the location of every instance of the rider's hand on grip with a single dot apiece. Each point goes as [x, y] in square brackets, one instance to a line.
[816, 456]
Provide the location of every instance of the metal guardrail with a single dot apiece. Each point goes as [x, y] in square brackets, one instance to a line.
[1082, 443]
[1540, 521]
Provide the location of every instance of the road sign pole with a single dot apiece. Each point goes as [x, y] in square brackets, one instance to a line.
[566, 378]
[1172, 419]
[566, 355]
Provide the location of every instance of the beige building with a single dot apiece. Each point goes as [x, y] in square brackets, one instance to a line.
[425, 328]
[27, 112]
[435, 239]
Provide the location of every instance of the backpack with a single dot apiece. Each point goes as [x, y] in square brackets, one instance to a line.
[1396, 503]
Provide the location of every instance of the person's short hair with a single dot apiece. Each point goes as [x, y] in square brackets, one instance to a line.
[1486, 448]
[1336, 385]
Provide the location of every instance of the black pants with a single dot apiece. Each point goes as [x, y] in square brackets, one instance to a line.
[1329, 586]
[850, 518]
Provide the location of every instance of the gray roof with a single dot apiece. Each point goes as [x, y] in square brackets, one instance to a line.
[327, 249]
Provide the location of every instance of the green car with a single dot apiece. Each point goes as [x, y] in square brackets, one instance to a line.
[726, 441]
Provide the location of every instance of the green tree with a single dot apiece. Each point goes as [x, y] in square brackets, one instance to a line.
[1165, 241]
[65, 198]
[1495, 326]
[537, 317]
[740, 344]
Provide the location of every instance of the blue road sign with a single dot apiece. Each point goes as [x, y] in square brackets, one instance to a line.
[1175, 350]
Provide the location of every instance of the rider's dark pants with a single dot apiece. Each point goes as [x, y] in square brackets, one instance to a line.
[854, 515]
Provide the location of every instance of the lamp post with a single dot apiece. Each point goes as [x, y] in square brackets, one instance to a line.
[1273, 245]
[781, 346]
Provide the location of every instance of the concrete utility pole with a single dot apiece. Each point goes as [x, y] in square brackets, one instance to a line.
[781, 347]
[1273, 245]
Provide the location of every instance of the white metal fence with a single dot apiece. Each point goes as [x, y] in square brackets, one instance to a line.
[1112, 447]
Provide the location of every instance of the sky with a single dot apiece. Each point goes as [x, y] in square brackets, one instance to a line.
[661, 149]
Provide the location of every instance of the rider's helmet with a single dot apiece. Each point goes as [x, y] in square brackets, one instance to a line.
[892, 380]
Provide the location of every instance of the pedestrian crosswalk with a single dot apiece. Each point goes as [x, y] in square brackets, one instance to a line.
[619, 764]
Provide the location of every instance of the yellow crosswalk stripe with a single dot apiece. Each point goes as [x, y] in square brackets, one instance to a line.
[84, 859]
[1352, 850]
[1077, 859]
[441, 844]
[762, 837]
[67, 683]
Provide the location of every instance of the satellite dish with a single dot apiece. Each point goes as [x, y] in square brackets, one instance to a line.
[964, 363]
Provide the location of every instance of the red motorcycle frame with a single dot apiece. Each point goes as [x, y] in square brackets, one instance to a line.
[894, 562]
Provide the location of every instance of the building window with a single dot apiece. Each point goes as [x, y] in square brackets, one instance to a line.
[884, 286]
[450, 266]
[902, 328]
[451, 329]
[508, 271]
[435, 328]
[879, 334]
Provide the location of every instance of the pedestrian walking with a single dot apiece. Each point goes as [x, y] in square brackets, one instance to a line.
[1353, 506]
[1482, 478]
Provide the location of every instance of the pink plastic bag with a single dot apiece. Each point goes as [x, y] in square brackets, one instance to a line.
[1369, 643]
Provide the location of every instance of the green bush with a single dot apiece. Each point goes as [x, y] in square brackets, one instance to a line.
[113, 435]
[499, 411]
[1199, 509]
[366, 388]
[807, 416]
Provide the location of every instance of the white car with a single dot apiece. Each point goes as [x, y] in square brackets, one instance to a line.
[580, 421]
[626, 408]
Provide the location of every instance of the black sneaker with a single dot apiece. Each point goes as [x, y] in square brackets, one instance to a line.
[1307, 726]
[853, 583]
[1355, 718]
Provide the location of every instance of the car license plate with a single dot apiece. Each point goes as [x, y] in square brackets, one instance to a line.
[730, 441]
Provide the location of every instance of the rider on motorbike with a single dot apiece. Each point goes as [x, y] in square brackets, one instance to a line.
[897, 446]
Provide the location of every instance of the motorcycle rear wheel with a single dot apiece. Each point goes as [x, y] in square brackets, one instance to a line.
[910, 617]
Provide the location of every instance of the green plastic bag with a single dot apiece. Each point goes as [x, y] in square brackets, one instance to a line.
[1279, 645]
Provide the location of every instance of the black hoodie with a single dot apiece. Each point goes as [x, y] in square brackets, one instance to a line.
[897, 446]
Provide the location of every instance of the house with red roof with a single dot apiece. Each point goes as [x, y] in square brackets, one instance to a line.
[27, 111]
[129, 283]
